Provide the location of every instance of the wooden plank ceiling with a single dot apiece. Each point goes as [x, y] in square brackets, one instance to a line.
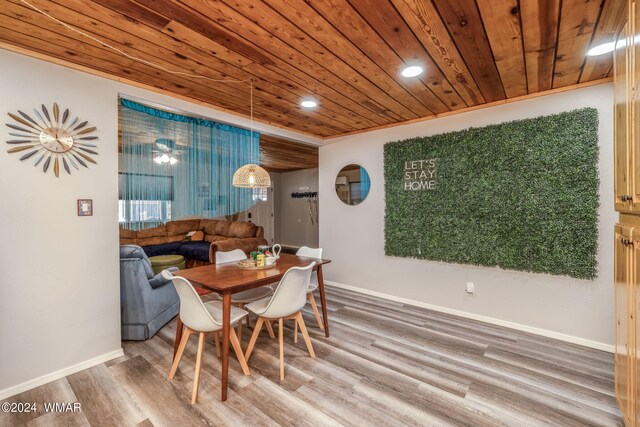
[347, 54]
[280, 155]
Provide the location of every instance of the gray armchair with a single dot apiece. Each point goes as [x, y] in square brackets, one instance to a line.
[147, 301]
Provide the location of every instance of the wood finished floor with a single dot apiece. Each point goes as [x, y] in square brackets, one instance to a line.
[386, 364]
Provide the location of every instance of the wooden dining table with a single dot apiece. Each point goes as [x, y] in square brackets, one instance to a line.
[227, 279]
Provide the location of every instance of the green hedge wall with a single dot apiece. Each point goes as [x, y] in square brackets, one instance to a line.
[521, 195]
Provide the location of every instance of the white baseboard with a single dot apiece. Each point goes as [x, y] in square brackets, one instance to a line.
[36, 382]
[517, 326]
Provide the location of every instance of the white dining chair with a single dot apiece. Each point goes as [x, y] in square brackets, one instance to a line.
[285, 304]
[244, 297]
[313, 285]
[202, 318]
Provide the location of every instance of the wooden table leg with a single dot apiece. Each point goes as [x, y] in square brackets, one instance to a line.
[323, 301]
[176, 344]
[226, 325]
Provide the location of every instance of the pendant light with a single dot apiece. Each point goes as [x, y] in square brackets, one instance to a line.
[251, 175]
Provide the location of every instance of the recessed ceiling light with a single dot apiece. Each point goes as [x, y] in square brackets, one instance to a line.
[412, 71]
[309, 103]
[601, 49]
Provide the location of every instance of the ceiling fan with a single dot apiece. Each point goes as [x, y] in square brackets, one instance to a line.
[165, 151]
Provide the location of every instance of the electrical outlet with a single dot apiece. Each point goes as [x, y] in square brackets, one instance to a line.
[470, 288]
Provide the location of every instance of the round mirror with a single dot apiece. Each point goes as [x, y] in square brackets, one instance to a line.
[353, 184]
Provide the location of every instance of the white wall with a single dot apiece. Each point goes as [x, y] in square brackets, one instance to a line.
[60, 285]
[59, 294]
[295, 225]
[353, 236]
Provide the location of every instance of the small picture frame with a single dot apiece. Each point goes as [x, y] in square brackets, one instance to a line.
[85, 207]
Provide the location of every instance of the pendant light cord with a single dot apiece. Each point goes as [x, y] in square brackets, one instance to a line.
[251, 100]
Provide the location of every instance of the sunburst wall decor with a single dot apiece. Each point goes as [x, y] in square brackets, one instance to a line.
[53, 138]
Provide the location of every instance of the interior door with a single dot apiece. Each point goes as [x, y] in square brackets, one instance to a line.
[623, 329]
[262, 212]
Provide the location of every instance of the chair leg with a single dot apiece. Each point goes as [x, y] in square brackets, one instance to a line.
[240, 330]
[248, 317]
[196, 379]
[216, 339]
[295, 331]
[312, 301]
[238, 349]
[254, 337]
[176, 360]
[281, 345]
[270, 328]
[305, 335]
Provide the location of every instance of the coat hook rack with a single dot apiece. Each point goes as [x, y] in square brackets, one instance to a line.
[305, 195]
[312, 202]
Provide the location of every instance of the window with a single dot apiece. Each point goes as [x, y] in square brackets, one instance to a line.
[145, 200]
[260, 194]
[145, 213]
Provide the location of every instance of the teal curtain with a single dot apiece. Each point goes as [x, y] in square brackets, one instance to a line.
[365, 183]
[174, 166]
